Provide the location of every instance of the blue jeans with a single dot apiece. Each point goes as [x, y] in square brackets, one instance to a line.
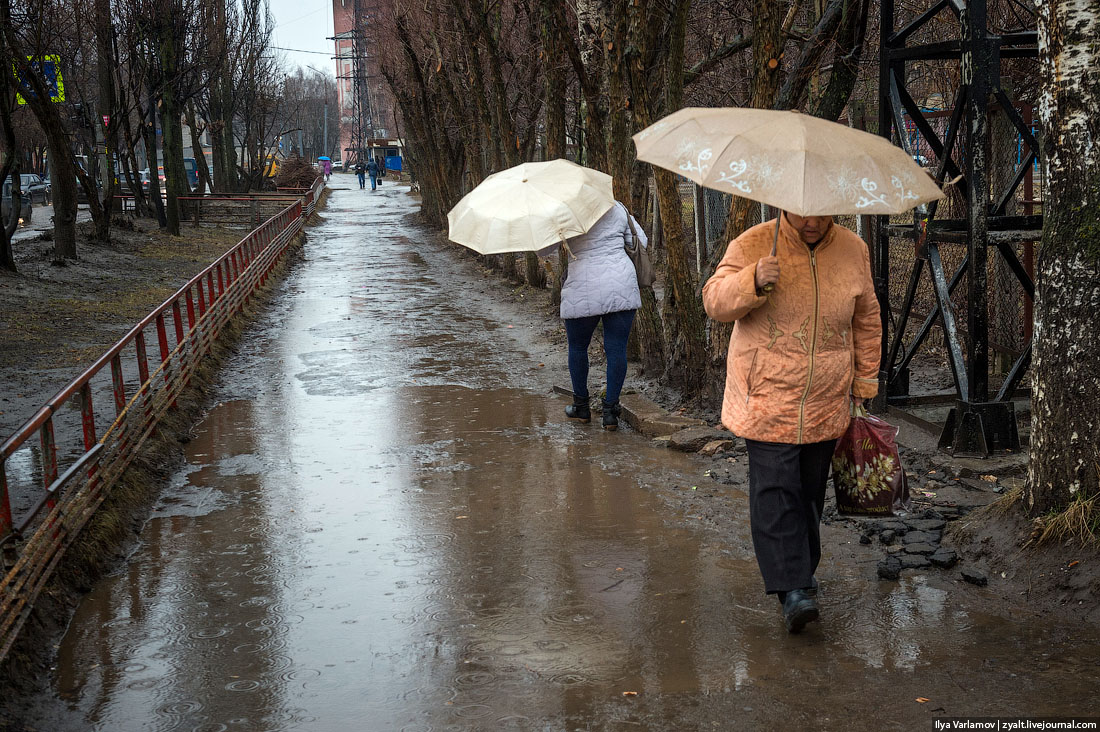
[616, 330]
[362, 180]
[374, 182]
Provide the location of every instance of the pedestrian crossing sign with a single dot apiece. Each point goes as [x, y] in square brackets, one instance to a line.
[49, 68]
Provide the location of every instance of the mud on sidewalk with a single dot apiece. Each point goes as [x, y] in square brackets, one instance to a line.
[966, 529]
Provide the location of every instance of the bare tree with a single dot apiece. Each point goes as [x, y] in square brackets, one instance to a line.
[33, 30]
[9, 167]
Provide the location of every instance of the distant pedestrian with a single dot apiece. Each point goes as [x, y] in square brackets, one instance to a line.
[601, 284]
[361, 171]
[326, 168]
[372, 169]
[804, 347]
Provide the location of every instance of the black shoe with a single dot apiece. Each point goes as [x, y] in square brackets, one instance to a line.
[611, 414]
[798, 610]
[579, 409]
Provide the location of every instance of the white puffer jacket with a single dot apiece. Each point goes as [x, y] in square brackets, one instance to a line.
[602, 278]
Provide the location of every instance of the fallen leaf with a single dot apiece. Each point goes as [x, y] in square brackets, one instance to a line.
[630, 693]
[458, 517]
[618, 569]
[989, 478]
[922, 700]
[1074, 563]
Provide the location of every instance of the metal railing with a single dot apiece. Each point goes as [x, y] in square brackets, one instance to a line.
[34, 537]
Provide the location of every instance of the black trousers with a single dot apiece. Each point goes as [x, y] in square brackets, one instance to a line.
[786, 497]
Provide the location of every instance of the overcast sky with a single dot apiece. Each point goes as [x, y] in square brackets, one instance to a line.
[304, 25]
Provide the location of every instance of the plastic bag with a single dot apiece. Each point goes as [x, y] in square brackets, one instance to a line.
[868, 477]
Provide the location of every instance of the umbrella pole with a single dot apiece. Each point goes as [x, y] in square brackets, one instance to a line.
[775, 243]
[568, 250]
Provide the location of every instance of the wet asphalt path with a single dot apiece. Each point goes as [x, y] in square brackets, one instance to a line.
[386, 523]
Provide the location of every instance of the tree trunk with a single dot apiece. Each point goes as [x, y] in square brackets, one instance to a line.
[849, 50]
[554, 91]
[767, 44]
[593, 17]
[62, 185]
[150, 133]
[108, 113]
[175, 174]
[1064, 462]
[57, 139]
[647, 338]
[685, 321]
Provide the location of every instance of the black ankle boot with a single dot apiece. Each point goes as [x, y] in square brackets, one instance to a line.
[611, 414]
[579, 409]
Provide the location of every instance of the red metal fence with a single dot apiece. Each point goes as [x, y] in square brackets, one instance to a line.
[35, 533]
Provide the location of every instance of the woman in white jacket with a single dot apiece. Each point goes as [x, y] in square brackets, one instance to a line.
[601, 284]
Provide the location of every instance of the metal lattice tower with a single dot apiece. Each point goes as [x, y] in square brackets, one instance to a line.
[362, 107]
[978, 423]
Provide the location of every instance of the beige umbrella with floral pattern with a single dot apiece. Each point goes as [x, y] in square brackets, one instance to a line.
[801, 164]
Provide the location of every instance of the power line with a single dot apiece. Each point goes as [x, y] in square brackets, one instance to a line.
[300, 50]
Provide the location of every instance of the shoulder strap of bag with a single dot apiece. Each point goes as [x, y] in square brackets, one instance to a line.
[633, 232]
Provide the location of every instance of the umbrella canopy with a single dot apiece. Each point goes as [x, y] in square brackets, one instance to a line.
[324, 157]
[798, 163]
[530, 207]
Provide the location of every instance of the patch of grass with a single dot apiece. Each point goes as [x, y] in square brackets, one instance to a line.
[1079, 521]
[129, 304]
[1007, 504]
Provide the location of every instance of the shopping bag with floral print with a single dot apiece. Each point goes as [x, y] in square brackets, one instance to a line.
[868, 477]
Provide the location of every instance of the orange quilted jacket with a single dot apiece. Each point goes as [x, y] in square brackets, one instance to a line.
[797, 353]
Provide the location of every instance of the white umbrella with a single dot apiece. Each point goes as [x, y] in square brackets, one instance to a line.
[530, 207]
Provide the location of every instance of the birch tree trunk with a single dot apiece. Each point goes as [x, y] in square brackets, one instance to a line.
[1065, 435]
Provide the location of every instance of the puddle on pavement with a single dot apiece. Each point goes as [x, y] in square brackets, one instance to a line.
[394, 534]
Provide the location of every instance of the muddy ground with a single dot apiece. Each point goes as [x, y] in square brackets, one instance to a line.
[99, 297]
[56, 319]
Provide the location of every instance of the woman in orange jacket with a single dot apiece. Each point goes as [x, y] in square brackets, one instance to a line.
[799, 354]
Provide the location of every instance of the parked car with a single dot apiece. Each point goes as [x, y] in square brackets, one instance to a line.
[81, 196]
[145, 175]
[5, 203]
[191, 167]
[35, 187]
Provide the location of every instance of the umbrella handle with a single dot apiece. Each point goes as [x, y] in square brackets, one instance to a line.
[568, 250]
[775, 242]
